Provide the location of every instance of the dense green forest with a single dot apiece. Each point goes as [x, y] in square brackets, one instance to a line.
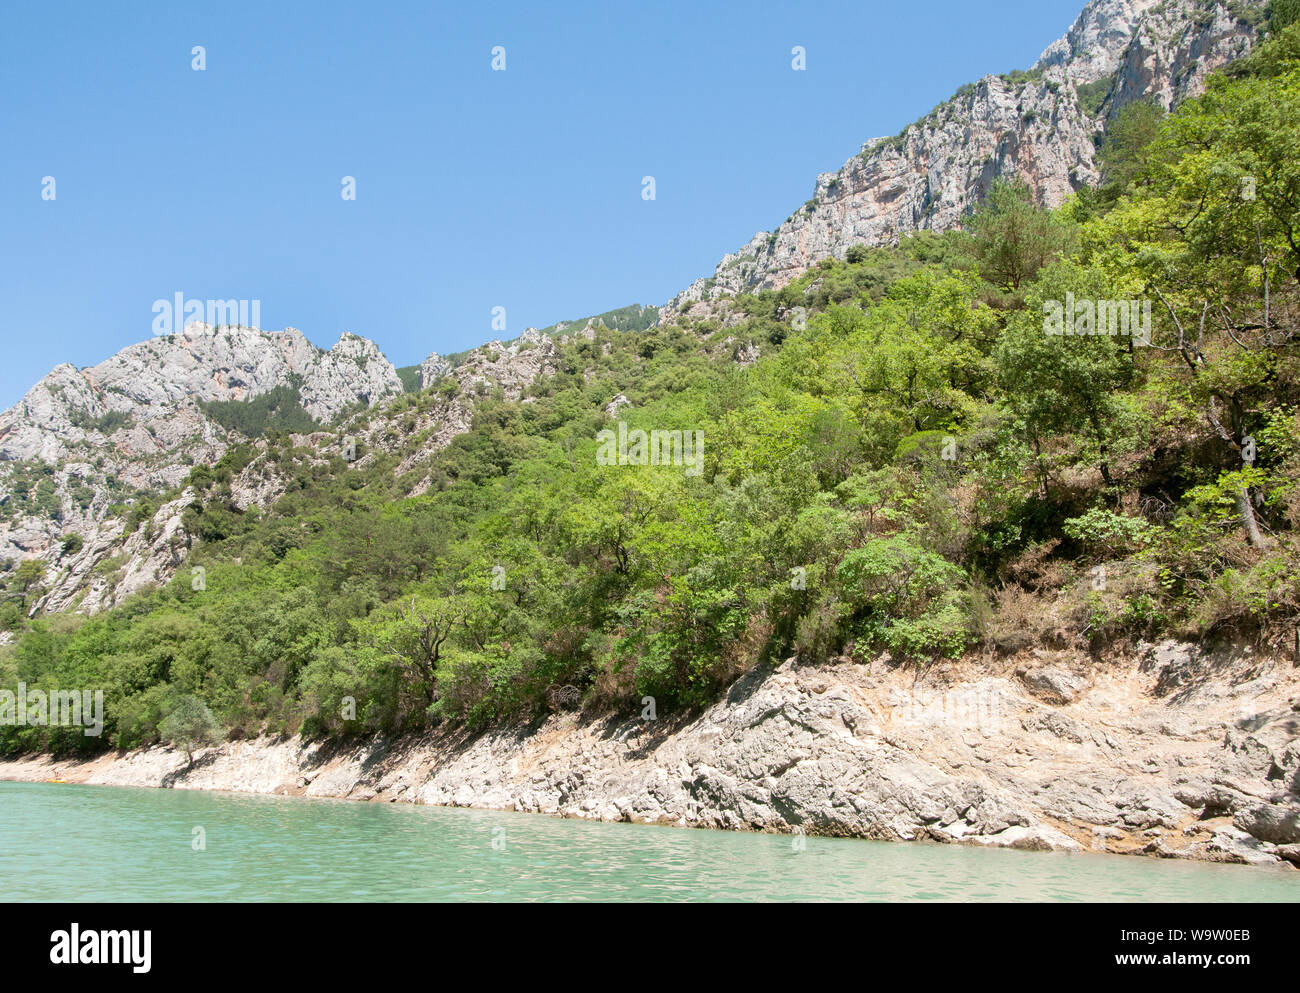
[916, 463]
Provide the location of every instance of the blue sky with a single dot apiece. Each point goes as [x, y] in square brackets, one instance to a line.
[475, 188]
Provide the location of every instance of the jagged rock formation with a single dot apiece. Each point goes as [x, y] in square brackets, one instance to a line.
[415, 430]
[82, 440]
[1042, 126]
[134, 425]
[144, 400]
[112, 563]
[432, 369]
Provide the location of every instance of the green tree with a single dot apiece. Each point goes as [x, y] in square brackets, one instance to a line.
[190, 726]
[1122, 155]
[1012, 238]
[410, 637]
[1282, 14]
[28, 577]
[1067, 383]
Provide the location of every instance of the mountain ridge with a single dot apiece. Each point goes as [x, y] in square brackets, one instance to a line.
[1030, 125]
[83, 442]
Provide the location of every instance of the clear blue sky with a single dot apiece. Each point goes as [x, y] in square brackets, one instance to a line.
[475, 188]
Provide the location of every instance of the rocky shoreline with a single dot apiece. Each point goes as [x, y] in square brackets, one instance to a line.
[1178, 752]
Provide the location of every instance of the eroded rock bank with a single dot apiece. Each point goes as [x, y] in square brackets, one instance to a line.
[1178, 752]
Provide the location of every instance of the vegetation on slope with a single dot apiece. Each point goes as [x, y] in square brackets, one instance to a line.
[278, 409]
[913, 464]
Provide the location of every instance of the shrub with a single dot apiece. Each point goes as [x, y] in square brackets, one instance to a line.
[1104, 534]
[906, 597]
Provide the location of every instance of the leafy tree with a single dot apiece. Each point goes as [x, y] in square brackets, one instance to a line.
[1067, 383]
[190, 726]
[1283, 14]
[1122, 155]
[1214, 236]
[908, 597]
[411, 636]
[28, 577]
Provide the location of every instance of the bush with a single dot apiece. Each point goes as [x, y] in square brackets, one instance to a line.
[1107, 535]
[906, 597]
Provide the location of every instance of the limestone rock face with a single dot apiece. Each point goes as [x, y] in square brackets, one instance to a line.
[149, 391]
[432, 369]
[82, 440]
[121, 431]
[1036, 126]
[112, 563]
[968, 754]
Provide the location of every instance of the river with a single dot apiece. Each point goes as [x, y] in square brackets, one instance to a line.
[72, 843]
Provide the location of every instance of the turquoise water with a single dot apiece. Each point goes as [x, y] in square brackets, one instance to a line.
[73, 843]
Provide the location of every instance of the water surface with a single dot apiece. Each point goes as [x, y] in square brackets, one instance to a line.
[72, 843]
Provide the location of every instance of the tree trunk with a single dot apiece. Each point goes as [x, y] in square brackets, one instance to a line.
[1248, 521]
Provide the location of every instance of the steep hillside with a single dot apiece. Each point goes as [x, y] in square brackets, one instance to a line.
[96, 460]
[1042, 126]
[91, 461]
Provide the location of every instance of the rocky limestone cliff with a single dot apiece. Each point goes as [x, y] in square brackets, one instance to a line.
[156, 431]
[1042, 126]
[114, 563]
[1172, 752]
[82, 440]
[151, 391]
[419, 430]
[432, 369]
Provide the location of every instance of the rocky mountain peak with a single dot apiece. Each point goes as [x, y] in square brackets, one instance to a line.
[145, 399]
[1042, 126]
[83, 440]
[1093, 46]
